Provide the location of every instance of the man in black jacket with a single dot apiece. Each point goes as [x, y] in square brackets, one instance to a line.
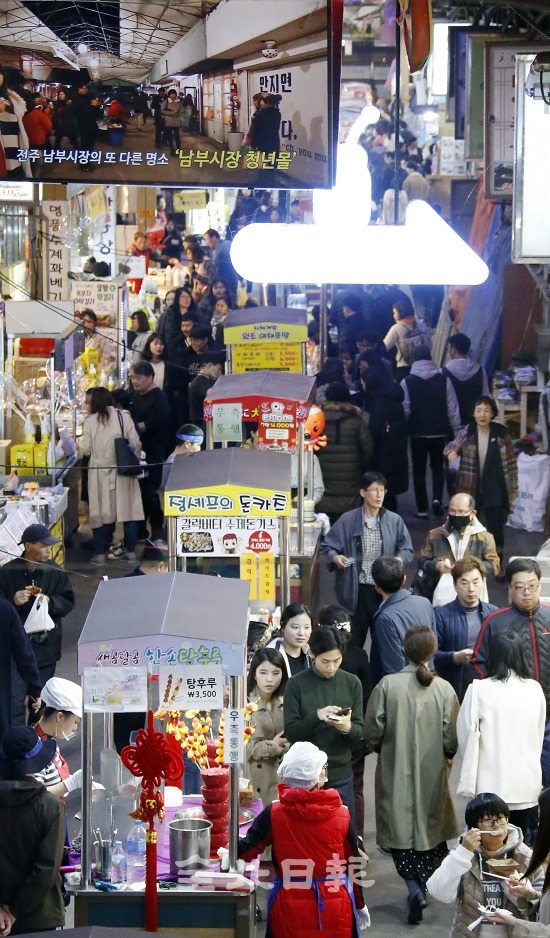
[20, 582]
[15, 647]
[32, 834]
[151, 412]
[431, 406]
[530, 619]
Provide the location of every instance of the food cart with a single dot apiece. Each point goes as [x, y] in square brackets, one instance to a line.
[108, 299]
[38, 388]
[169, 619]
[280, 404]
[266, 337]
[232, 503]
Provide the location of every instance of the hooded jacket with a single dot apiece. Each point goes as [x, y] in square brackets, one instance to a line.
[447, 408]
[441, 544]
[311, 838]
[347, 455]
[388, 427]
[469, 381]
[534, 630]
[459, 880]
[32, 833]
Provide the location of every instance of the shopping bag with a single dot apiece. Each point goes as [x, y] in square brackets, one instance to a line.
[38, 619]
[445, 591]
[529, 508]
[127, 463]
[468, 776]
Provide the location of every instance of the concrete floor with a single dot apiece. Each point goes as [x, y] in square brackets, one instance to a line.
[386, 898]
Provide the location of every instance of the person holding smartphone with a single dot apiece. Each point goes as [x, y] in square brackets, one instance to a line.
[324, 706]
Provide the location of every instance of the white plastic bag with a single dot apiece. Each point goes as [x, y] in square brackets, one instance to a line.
[445, 591]
[529, 508]
[38, 619]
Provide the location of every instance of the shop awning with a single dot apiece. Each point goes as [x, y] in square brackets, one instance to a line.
[254, 387]
[229, 482]
[137, 620]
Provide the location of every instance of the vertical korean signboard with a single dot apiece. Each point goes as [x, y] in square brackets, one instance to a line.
[56, 267]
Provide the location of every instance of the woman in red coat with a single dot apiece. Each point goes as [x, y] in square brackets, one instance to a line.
[309, 830]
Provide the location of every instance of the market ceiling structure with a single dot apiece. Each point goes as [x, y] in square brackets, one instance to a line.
[532, 16]
[125, 38]
[120, 36]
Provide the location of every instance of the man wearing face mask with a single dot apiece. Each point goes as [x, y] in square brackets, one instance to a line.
[463, 535]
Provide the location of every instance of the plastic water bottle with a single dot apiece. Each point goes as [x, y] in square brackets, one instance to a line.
[135, 856]
[118, 864]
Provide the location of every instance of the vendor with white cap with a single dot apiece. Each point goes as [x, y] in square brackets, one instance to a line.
[312, 842]
[60, 719]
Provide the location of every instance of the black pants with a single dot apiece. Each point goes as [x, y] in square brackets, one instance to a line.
[151, 501]
[368, 602]
[522, 818]
[421, 448]
[19, 691]
[172, 136]
[493, 519]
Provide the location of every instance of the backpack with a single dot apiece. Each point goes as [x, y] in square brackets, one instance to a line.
[413, 338]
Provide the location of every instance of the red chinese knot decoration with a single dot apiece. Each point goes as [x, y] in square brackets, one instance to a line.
[153, 759]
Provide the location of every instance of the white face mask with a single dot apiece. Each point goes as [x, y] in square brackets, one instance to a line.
[68, 736]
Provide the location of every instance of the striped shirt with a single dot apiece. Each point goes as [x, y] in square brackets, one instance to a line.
[57, 770]
[9, 139]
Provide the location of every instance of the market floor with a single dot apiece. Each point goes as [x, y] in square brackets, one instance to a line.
[386, 898]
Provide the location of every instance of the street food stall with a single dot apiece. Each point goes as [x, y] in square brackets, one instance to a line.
[108, 299]
[169, 633]
[40, 407]
[266, 337]
[280, 404]
[232, 504]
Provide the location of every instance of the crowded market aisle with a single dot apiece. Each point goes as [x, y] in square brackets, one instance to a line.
[385, 898]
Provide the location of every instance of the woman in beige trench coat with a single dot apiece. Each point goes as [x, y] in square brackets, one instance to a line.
[112, 497]
[411, 722]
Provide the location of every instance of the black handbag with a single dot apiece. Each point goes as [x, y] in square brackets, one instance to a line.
[127, 463]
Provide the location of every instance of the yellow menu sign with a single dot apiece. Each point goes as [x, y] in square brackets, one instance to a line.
[286, 356]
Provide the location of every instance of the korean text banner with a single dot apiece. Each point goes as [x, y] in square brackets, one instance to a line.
[181, 100]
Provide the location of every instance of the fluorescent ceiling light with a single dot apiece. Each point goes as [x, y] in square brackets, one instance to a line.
[341, 247]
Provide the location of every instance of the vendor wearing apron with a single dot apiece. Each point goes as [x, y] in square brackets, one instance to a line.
[312, 843]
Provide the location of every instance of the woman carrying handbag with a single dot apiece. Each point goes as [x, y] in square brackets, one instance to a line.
[113, 496]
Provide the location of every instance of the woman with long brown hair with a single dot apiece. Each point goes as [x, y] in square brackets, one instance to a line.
[112, 497]
[411, 724]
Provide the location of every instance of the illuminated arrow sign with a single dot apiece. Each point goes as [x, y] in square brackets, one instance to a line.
[424, 250]
[341, 247]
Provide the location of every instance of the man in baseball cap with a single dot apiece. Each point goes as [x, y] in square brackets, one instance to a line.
[38, 534]
[32, 833]
[21, 580]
